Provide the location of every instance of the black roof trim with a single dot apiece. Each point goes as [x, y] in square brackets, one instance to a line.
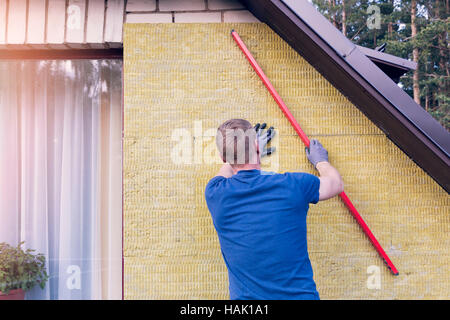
[58, 54]
[387, 58]
[394, 67]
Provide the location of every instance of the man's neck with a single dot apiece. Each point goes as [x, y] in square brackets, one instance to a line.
[247, 167]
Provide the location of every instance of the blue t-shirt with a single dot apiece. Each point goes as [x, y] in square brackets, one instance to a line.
[261, 223]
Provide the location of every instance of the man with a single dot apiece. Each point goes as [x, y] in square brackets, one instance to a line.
[260, 218]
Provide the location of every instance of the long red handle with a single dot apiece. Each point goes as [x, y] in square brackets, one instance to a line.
[305, 140]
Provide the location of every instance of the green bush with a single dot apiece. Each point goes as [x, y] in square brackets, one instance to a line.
[21, 269]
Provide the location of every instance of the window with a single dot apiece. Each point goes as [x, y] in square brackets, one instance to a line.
[61, 171]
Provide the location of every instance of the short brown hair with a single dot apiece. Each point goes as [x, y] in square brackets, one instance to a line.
[234, 140]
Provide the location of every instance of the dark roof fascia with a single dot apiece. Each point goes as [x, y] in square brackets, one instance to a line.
[388, 59]
[420, 136]
[394, 67]
[394, 73]
[60, 54]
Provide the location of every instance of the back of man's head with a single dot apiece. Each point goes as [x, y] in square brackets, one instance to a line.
[236, 141]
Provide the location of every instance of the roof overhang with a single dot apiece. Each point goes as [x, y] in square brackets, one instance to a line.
[393, 66]
[387, 58]
[340, 61]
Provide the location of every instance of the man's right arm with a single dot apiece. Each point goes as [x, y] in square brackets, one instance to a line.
[331, 183]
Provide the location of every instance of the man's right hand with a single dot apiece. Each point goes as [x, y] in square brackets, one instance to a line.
[316, 153]
[331, 183]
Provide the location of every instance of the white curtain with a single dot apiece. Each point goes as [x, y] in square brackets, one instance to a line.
[61, 171]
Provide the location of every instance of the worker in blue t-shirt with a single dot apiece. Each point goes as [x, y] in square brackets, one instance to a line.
[260, 218]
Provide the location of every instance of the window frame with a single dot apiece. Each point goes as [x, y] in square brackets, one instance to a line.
[75, 54]
[61, 54]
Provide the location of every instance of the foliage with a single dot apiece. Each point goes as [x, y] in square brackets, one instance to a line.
[21, 269]
[432, 22]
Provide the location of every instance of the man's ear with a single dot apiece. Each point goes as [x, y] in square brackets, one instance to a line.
[257, 146]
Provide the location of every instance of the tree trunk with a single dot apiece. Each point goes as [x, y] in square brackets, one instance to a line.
[390, 24]
[374, 38]
[436, 9]
[416, 89]
[344, 19]
[442, 54]
[428, 92]
[334, 14]
[330, 10]
[331, 6]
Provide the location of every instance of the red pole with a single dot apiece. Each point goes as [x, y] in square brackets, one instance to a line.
[305, 140]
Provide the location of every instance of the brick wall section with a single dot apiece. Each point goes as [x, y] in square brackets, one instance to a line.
[83, 24]
[196, 11]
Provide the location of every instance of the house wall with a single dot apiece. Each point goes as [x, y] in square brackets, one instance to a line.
[83, 24]
[188, 78]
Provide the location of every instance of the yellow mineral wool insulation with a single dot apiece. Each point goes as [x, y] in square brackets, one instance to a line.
[181, 81]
